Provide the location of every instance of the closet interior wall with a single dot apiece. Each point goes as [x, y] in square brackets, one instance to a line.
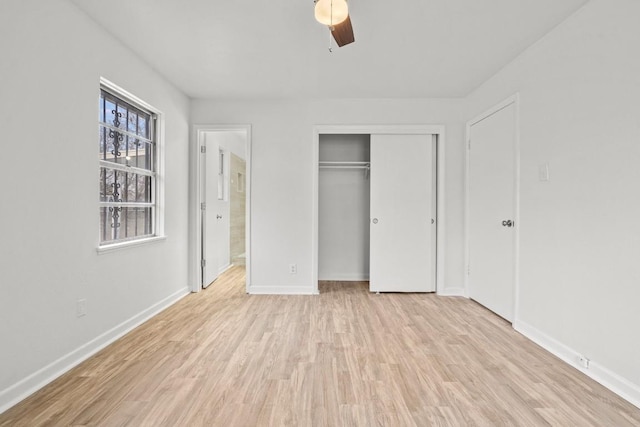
[343, 207]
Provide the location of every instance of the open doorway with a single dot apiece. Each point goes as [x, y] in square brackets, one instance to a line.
[221, 203]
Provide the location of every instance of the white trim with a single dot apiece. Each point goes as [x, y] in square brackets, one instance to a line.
[441, 219]
[453, 292]
[494, 109]
[125, 168]
[195, 199]
[160, 175]
[34, 382]
[515, 100]
[281, 290]
[346, 278]
[614, 382]
[137, 102]
[127, 205]
[129, 244]
[224, 268]
[438, 130]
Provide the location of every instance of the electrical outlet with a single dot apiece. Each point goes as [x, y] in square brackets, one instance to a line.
[583, 362]
[81, 307]
[293, 269]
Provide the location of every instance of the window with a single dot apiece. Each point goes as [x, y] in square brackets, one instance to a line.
[128, 168]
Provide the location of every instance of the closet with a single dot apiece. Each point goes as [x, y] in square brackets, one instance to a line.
[377, 210]
[343, 207]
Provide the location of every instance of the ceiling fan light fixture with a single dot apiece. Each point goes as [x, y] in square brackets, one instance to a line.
[331, 12]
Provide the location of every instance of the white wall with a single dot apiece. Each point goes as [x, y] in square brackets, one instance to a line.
[282, 167]
[343, 209]
[52, 57]
[579, 282]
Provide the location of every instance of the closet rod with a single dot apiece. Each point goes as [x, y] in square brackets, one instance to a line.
[344, 162]
[347, 165]
[322, 162]
[350, 165]
[344, 166]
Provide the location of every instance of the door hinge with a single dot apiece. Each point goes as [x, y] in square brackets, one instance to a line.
[469, 144]
[468, 270]
[203, 263]
[203, 149]
[203, 206]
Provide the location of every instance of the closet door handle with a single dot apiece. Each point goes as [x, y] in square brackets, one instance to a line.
[374, 220]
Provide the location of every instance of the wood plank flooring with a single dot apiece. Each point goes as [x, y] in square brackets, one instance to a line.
[344, 358]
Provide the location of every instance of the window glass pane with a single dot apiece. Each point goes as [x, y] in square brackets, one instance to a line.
[111, 185]
[124, 149]
[145, 159]
[124, 223]
[142, 126]
[106, 235]
[138, 153]
[102, 142]
[109, 111]
[101, 111]
[120, 118]
[118, 186]
[115, 145]
[132, 122]
[142, 190]
[138, 222]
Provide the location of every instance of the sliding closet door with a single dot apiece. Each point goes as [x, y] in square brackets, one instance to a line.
[402, 251]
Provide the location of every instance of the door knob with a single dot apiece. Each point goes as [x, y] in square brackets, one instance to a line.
[218, 216]
[507, 223]
[374, 220]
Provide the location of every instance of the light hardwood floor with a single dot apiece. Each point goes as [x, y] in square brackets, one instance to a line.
[345, 357]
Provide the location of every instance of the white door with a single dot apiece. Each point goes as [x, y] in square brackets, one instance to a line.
[212, 218]
[402, 249]
[492, 211]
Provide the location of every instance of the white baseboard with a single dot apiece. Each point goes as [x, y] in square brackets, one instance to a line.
[347, 278]
[614, 382]
[452, 292]
[34, 382]
[281, 290]
[225, 268]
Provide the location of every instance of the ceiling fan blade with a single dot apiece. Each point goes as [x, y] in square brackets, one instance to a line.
[343, 32]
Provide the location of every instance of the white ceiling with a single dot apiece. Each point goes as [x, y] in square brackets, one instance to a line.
[275, 48]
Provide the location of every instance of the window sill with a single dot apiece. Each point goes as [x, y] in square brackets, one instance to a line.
[132, 243]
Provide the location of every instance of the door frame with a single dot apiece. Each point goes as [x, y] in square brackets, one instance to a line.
[438, 130]
[195, 200]
[512, 100]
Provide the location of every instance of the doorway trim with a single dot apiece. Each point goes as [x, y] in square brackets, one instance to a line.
[195, 198]
[438, 130]
[515, 101]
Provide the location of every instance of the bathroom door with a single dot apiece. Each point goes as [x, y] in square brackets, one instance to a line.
[212, 224]
[402, 249]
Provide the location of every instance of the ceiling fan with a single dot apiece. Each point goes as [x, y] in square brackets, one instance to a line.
[335, 15]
